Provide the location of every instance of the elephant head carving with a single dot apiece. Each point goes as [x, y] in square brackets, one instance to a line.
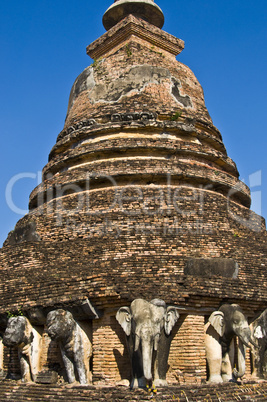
[75, 346]
[20, 333]
[223, 326]
[145, 325]
[60, 324]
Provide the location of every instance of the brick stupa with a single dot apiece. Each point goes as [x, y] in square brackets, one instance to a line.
[138, 200]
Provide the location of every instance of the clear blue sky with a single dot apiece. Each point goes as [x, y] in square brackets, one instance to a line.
[43, 46]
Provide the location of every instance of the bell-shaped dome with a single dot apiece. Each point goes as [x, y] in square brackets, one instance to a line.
[145, 9]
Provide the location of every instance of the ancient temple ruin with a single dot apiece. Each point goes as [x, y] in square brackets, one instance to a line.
[139, 200]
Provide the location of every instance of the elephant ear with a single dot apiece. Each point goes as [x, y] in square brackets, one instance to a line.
[171, 317]
[124, 318]
[217, 321]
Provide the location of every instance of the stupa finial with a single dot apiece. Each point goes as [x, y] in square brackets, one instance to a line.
[145, 9]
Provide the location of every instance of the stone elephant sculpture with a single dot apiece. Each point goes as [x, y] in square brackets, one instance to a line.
[220, 332]
[259, 353]
[147, 326]
[75, 346]
[20, 333]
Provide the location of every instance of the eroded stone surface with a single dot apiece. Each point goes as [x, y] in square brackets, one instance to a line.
[22, 234]
[132, 82]
[207, 267]
[136, 77]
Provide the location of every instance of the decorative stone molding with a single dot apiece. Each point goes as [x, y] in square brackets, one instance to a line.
[132, 116]
[77, 126]
[116, 117]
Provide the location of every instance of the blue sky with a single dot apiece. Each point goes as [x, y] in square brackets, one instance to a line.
[43, 49]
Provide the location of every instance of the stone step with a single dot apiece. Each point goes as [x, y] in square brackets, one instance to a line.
[12, 391]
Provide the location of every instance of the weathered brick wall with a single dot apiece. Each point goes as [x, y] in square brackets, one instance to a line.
[51, 359]
[187, 354]
[11, 363]
[107, 253]
[110, 356]
[248, 365]
[179, 208]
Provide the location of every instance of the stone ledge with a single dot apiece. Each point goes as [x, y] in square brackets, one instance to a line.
[104, 125]
[142, 172]
[13, 391]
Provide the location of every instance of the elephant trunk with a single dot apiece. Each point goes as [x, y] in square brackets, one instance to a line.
[147, 350]
[241, 359]
[156, 342]
[244, 336]
[137, 342]
[244, 339]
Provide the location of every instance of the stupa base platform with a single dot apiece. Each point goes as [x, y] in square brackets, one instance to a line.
[252, 391]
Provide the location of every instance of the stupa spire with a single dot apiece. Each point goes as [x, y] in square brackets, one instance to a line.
[145, 9]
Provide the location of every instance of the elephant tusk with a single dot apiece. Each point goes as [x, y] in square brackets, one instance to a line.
[156, 342]
[249, 343]
[236, 374]
[254, 344]
[137, 343]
